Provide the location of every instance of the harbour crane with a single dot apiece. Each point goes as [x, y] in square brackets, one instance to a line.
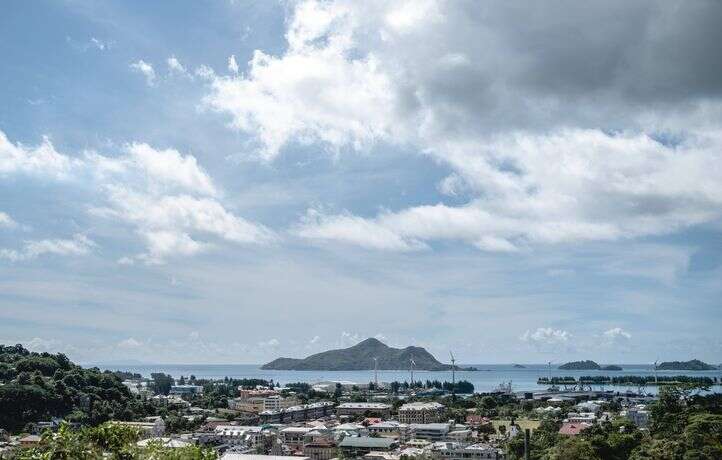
[453, 375]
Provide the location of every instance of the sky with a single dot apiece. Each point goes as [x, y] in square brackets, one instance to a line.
[233, 181]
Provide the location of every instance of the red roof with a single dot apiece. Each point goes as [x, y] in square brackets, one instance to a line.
[573, 429]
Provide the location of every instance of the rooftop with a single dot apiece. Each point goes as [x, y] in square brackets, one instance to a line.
[366, 441]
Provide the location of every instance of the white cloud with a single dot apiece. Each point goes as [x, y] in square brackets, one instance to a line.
[315, 339]
[99, 44]
[271, 343]
[617, 333]
[32, 249]
[546, 338]
[42, 160]
[353, 230]
[540, 164]
[171, 168]
[175, 66]
[233, 65]
[565, 189]
[6, 221]
[146, 69]
[171, 201]
[130, 343]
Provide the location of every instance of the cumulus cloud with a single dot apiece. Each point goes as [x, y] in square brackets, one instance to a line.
[6, 221]
[270, 343]
[32, 249]
[145, 69]
[529, 126]
[617, 336]
[233, 65]
[130, 343]
[546, 338]
[39, 161]
[175, 66]
[168, 198]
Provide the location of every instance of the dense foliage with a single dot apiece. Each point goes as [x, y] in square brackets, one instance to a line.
[684, 426]
[107, 441]
[39, 386]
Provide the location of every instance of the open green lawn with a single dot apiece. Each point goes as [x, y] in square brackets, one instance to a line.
[523, 423]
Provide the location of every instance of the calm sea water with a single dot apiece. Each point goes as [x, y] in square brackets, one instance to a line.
[487, 378]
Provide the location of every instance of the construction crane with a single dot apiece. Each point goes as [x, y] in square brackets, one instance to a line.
[412, 363]
[376, 372]
[453, 376]
[655, 373]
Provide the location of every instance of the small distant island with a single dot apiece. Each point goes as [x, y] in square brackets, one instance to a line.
[612, 367]
[692, 365]
[586, 365]
[519, 366]
[361, 357]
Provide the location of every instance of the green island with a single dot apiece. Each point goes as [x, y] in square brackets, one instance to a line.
[692, 365]
[364, 356]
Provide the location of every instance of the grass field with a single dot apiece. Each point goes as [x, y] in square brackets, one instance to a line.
[523, 423]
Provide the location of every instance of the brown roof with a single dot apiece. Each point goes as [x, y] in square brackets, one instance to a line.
[573, 429]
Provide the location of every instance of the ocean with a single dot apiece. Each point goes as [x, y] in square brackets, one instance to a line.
[487, 378]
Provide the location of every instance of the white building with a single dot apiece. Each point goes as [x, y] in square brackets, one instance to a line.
[362, 408]
[638, 415]
[422, 412]
[186, 390]
[457, 451]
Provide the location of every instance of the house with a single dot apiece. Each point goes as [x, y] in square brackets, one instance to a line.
[573, 429]
[154, 428]
[390, 429]
[293, 436]
[31, 440]
[172, 443]
[457, 451]
[320, 450]
[421, 412]
[637, 415]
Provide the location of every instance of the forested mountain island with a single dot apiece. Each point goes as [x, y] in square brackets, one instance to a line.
[361, 357]
[588, 365]
[692, 365]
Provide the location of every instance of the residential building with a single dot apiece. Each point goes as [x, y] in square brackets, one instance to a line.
[637, 415]
[573, 429]
[186, 390]
[434, 431]
[421, 412]
[362, 445]
[390, 429]
[297, 413]
[293, 436]
[30, 440]
[322, 450]
[152, 428]
[258, 404]
[457, 451]
[356, 409]
[581, 417]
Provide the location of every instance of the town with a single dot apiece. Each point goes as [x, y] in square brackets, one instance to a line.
[256, 419]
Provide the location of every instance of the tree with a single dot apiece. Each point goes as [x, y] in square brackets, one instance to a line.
[572, 448]
[161, 383]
